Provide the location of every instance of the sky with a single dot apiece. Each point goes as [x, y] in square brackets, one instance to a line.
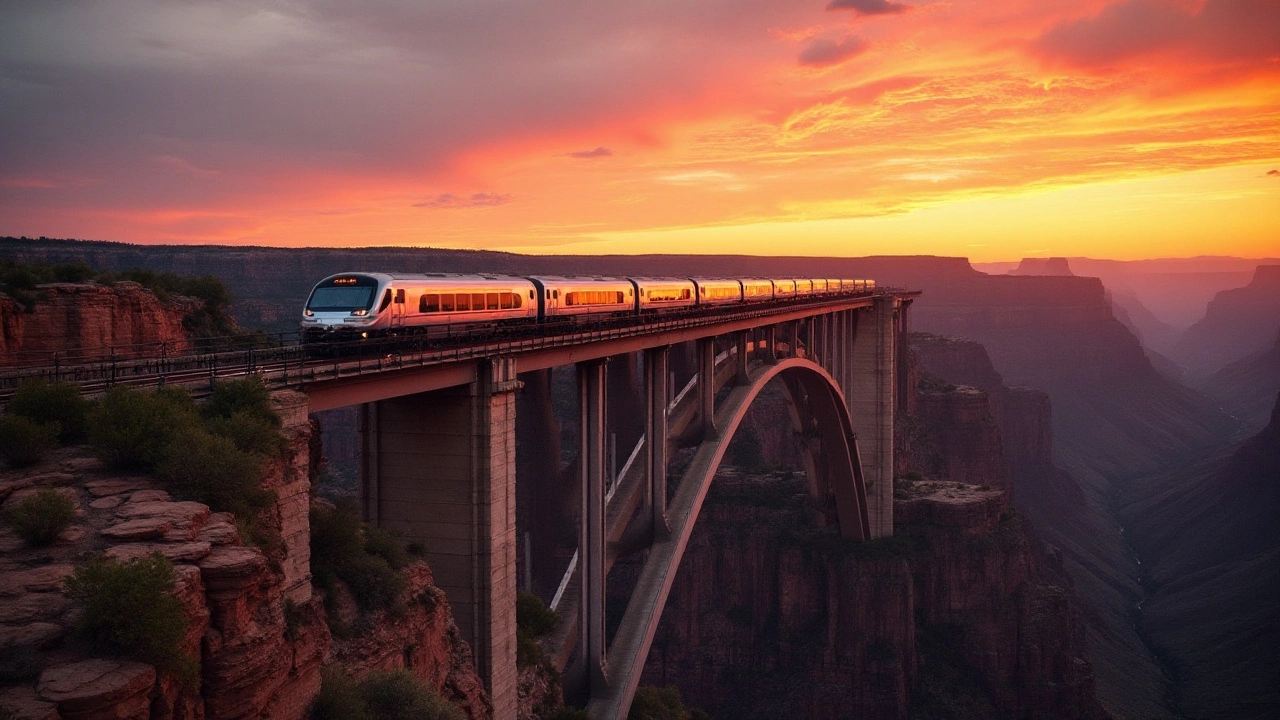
[992, 129]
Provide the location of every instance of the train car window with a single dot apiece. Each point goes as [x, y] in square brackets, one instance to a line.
[491, 300]
[530, 294]
[548, 294]
[462, 301]
[687, 294]
[446, 302]
[400, 297]
[515, 299]
[506, 300]
[429, 303]
[386, 300]
[477, 301]
[556, 294]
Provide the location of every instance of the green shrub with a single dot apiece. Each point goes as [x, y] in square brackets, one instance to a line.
[339, 699]
[340, 551]
[47, 403]
[130, 608]
[373, 583]
[131, 429]
[401, 695]
[655, 703]
[569, 713]
[250, 434]
[210, 469]
[248, 397]
[533, 615]
[387, 544]
[24, 442]
[40, 518]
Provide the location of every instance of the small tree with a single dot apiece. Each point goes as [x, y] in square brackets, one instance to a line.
[24, 442]
[48, 403]
[130, 608]
[41, 518]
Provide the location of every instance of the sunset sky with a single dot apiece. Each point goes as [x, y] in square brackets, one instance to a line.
[993, 130]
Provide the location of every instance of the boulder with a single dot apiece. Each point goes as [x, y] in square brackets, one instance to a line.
[99, 689]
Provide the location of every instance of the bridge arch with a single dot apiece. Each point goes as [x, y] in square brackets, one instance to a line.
[834, 479]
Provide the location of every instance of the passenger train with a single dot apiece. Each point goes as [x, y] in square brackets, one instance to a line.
[363, 305]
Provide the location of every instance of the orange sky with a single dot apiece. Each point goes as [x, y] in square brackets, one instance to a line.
[993, 130]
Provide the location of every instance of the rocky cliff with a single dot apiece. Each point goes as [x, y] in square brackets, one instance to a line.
[1236, 324]
[79, 322]
[1208, 535]
[259, 632]
[770, 617]
[1246, 386]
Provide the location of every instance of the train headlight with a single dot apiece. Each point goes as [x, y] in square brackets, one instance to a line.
[308, 313]
[364, 334]
[360, 313]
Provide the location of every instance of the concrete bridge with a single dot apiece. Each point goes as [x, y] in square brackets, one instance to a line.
[438, 454]
[439, 464]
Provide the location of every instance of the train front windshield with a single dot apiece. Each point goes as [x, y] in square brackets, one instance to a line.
[343, 294]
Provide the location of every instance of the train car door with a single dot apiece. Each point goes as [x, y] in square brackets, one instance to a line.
[398, 306]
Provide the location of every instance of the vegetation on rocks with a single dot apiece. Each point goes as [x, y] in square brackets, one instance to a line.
[48, 403]
[533, 621]
[24, 442]
[385, 695]
[39, 519]
[344, 549]
[213, 454]
[655, 703]
[129, 608]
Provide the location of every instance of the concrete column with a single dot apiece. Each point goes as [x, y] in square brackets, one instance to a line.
[871, 406]
[367, 424]
[655, 381]
[707, 387]
[741, 377]
[446, 478]
[593, 431]
[770, 352]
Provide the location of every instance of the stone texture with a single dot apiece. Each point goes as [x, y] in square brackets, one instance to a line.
[31, 607]
[39, 579]
[83, 320]
[30, 637]
[106, 503]
[114, 486]
[106, 689]
[175, 552]
[138, 529]
[23, 704]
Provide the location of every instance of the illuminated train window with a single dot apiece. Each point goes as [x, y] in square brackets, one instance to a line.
[593, 297]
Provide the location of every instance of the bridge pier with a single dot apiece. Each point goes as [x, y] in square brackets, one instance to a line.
[870, 392]
[593, 432]
[440, 467]
[707, 387]
[655, 382]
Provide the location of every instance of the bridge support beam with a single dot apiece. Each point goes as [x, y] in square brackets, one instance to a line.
[740, 360]
[870, 393]
[707, 387]
[655, 380]
[591, 541]
[442, 471]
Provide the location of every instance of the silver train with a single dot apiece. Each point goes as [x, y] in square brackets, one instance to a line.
[363, 305]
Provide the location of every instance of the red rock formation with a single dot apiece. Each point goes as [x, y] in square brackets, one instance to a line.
[260, 635]
[1236, 324]
[964, 440]
[771, 618]
[89, 321]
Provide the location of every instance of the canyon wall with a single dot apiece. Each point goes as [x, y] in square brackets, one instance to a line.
[259, 632]
[79, 322]
[1236, 324]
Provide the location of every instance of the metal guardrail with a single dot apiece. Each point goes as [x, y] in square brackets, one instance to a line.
[281, 359]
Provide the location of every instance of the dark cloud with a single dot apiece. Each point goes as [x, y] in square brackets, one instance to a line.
[1224, 30]
[1273, 173]
[449, 201]
[598, 152]
[822, 52]
[869, 7]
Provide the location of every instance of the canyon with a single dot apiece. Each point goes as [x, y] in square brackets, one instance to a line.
[1091, 424]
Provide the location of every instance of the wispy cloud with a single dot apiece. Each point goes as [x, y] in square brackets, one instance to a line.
[823, 52]
[597, 153]
[869, 7]
[450, 201]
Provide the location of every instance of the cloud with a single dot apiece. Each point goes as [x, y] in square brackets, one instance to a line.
[1273, 173]
[449, 201]
[1222, 30]
[598, 152]
[822, 52]
[869, 7]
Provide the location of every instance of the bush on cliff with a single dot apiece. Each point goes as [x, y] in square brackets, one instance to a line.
[533, 620]
[48, 403]
[131, 429]
[24, 442]
[340, 553]
[212, 470]
[383, 695]
[40, 518]
[655, 703]
[130, 608]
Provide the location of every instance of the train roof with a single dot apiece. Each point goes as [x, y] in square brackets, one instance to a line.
[435, 277]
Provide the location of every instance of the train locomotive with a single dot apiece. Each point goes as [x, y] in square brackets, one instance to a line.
[357, 305]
